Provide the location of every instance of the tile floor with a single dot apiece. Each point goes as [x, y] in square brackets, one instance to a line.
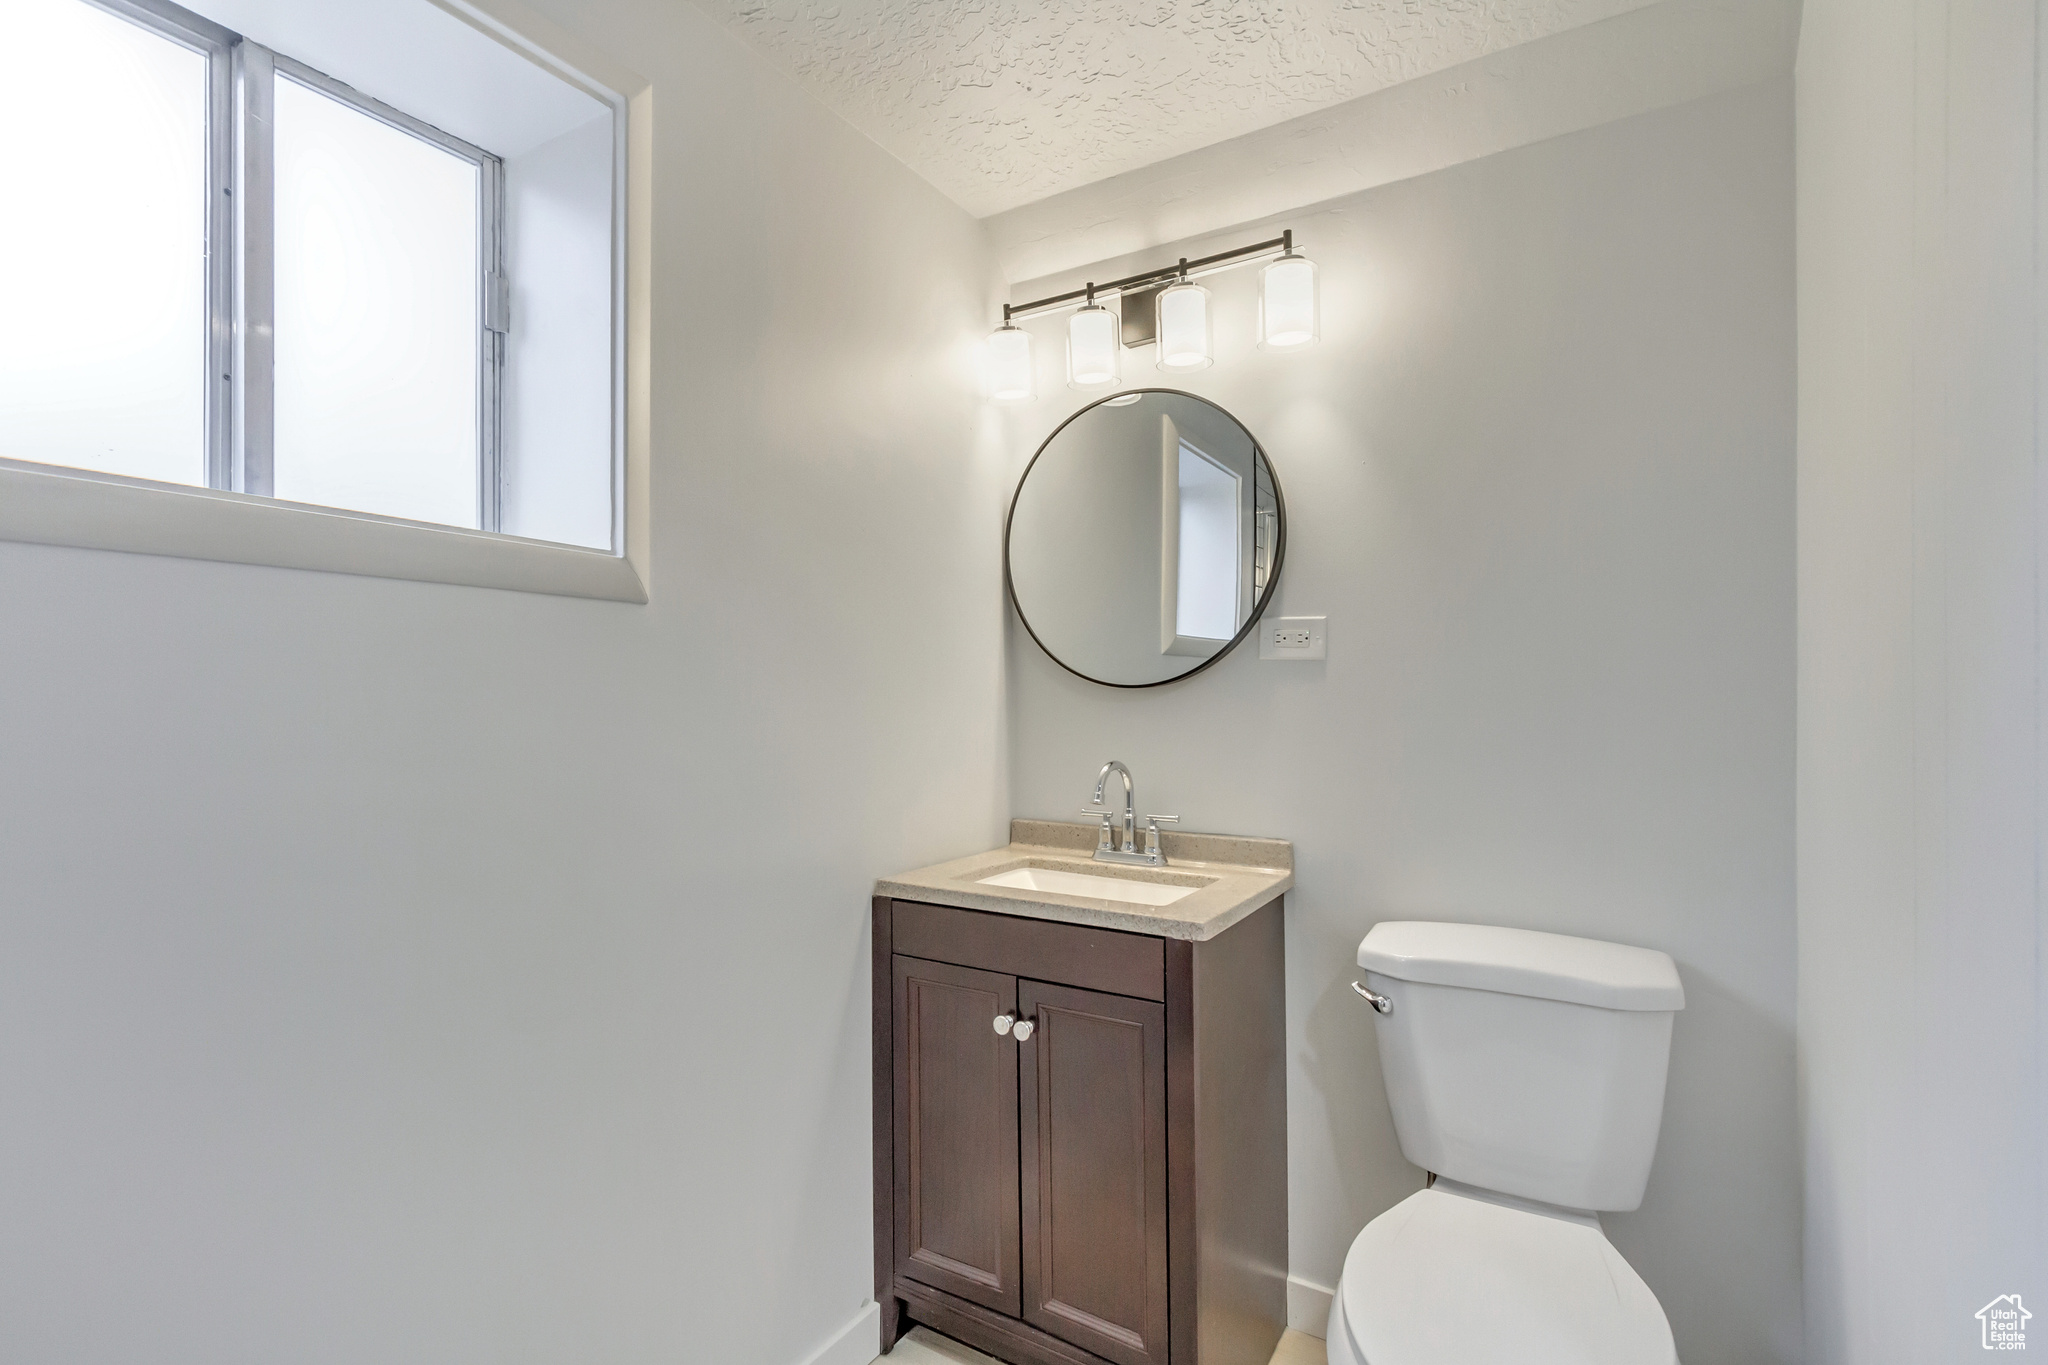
[925, 1347]
[1299, 1348]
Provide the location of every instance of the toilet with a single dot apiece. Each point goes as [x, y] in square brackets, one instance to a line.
[1526, 1074]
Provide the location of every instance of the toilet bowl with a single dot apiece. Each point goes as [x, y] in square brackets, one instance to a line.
[1527, 1072]
[1451, 1275]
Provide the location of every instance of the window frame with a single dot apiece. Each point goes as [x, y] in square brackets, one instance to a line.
[215, 43]
[257, 71]
[232, 518]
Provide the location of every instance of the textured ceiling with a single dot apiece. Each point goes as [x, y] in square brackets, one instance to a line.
[1002, 102]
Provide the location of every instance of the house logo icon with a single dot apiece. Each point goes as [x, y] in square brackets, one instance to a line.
[2005, 1323]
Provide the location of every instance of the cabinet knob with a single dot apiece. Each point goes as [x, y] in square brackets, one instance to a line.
[1022, 1031]
[1003, 1022]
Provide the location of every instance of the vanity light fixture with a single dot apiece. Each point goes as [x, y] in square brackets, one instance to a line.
[1184, 325]
[1287, 302]
[1171, 304]
[1007, 357]
[1094, 336]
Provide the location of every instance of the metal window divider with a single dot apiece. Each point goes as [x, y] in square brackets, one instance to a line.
[255, 410]
[495, 327]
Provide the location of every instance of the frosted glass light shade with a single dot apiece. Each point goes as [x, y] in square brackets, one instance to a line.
[1287, 303]
[1007, 355]
[1094, 336]
[1184, 328]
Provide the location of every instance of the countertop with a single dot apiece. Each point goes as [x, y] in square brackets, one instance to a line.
[1236, 877]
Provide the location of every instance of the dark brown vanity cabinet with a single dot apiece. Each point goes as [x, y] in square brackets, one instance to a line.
[1111, 1186]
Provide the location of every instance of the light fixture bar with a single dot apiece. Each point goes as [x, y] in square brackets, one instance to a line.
[1222, 260]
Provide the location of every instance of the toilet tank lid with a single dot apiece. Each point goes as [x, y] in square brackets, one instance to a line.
[1486, 957]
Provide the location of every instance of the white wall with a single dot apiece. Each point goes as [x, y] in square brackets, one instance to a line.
[398, 972]
[1539, 476]
[1920, 639]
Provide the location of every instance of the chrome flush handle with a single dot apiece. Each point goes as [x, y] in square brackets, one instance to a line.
[1380, 1003]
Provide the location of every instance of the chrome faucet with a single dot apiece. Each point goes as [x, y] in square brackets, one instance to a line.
[1106, 850]
[1130, 803]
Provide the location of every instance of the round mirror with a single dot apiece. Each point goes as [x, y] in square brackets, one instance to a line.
[1145, 538]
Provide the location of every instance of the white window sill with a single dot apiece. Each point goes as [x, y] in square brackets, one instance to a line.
[50, 505]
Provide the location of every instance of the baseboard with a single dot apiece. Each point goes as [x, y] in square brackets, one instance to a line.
[857, 1343]
[860, 1341]
[1308, 1307]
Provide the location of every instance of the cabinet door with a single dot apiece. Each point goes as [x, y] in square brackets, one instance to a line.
[1092, 1084]
[956, 1132]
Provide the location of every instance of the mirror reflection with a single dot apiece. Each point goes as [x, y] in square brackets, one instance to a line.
[1145, 538]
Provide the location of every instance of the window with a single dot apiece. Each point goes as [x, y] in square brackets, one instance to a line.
[246, 274]
[1213, 498]
[1210, 496]
[385, 360]
[105, 305]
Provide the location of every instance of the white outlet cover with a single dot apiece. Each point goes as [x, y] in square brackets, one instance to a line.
[1294, 637]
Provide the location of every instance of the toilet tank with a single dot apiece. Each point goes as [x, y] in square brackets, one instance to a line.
[1529, 1064]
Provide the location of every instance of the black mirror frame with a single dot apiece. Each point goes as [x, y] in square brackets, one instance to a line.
[1258, 608]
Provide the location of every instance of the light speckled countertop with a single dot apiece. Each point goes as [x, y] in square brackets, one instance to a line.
[1236, 877]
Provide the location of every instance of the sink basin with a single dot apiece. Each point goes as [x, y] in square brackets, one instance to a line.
[1086, 884]
[1044, 872]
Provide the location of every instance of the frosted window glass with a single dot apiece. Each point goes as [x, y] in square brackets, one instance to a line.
[377, 315]
[103, 234]
[1206, 600]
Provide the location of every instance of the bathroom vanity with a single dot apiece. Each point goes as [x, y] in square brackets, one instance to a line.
[1080, 1101]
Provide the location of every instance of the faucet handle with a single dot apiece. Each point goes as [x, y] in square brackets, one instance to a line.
[1107, 816]
[1152, 832]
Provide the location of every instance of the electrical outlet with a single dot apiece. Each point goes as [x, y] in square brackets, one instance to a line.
[1294, 637]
